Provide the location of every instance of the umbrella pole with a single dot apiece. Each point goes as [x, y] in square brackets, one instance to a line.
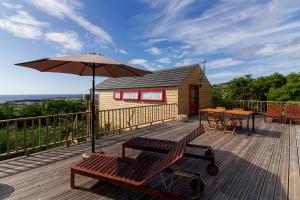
[93, 112]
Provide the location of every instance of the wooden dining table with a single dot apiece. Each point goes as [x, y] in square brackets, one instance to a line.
[242, 113]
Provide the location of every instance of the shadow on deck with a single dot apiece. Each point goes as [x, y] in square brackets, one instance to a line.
[264, 165]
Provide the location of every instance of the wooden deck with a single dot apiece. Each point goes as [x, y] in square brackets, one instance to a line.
[264, 165]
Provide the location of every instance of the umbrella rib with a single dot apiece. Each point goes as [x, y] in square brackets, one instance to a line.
[108, 71]
[81, 72]
[58, 65]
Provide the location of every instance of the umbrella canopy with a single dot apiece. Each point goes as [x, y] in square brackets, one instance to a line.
[90, 64]
[83, 65]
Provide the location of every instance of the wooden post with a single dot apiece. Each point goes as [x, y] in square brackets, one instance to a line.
[32, 133]
[7, 138]
[47, 132]
[40, 132]
[17, 137]
[25, 137]
[76, 122]
[66, 132]
[59, 131]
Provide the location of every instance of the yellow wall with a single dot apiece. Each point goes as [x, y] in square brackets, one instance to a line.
[205, 95]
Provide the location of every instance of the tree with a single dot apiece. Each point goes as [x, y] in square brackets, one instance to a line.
[239, 88]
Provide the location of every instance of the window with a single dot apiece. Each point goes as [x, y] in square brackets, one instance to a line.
[130, 94]
[153, 95]
[118, 95]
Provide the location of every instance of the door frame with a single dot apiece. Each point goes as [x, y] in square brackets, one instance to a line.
[190, 98]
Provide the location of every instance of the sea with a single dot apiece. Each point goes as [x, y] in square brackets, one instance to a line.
[6, 98]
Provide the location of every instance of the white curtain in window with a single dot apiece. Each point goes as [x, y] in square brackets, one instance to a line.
[131, 95]
[152, 95]
[117, 95]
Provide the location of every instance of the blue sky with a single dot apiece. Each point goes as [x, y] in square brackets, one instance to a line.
[236, 37]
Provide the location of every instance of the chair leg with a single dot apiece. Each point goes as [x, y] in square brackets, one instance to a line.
[72, 179]
[123, 151]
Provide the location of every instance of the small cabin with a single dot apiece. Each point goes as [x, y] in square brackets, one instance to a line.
[186, 86]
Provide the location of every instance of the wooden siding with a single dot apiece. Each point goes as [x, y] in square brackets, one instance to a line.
[262, 166]
[205, 95]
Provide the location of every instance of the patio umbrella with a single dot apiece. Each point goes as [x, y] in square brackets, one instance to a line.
[90, 64]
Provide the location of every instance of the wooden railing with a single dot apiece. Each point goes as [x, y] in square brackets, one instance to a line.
[32, 134]
[259, 107]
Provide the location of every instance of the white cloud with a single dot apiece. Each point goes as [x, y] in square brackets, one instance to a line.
[154, 51]
[67, 9]
[221, 63]
[145, 63]
[187, 61]
[226, 75]
[165, 60]
[122, 51]
[23, 25]
[69, 40]
[10, 5]
[138, 61]
[227, 26]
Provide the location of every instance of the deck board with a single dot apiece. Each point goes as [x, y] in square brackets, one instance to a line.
[264, 165]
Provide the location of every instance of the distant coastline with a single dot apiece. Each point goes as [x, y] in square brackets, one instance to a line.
[36, 97]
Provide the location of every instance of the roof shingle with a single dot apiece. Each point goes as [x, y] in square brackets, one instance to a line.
[161, 78]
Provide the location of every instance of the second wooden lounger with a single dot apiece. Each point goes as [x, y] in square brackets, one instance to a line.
[165, 146]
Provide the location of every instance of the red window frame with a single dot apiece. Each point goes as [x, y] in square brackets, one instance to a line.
[138, 91]
[121, 94]
[154, 100]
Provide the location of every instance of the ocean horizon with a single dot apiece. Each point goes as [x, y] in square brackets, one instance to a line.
[23, 97]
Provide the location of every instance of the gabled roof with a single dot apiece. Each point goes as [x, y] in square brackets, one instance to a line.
[161, 78]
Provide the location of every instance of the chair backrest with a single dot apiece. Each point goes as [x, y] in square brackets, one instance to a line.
[292, 111]
[220, 108]
[166, 160]
[194, 134]
[241, 109]
[274, 110]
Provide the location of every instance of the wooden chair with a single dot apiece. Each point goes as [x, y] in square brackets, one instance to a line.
[164, 146]
[234, 123]
[273, 111]
[133, 174]
[215, 121]
[292, 112]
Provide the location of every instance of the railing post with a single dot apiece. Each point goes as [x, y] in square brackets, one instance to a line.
[59, 130]
[25, 137]
[47, 132]
[7, 138]
[32, 134]
[40, 132]
[66, 132]
[17, 137]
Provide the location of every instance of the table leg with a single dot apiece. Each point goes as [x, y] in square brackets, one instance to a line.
[253, 123]
[200, 118]
[248, 124]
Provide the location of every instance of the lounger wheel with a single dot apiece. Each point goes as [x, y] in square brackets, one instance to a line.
[212, 169]
[197, 186]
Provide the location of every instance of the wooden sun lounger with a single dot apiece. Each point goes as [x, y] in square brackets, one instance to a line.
[164, 146]
[292, 112]
[134, 174]
[273, 111]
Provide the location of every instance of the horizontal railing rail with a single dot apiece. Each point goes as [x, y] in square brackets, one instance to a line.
[259, 107]
[27, 135]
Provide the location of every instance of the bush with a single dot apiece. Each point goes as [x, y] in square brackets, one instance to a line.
[10, 111]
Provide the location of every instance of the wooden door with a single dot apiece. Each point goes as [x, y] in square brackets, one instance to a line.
[193, 99]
